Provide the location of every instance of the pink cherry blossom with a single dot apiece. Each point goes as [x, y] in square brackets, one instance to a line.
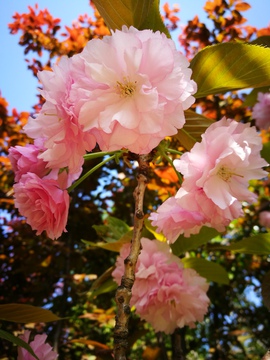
[42, 350]
[165, 294]
[261, 111]
[138, 94]
[173, 220]
[264, 219]
[186, 213]
[25, 159]
[223, 163]
[216, 175]
[57, 122]
[43, 203]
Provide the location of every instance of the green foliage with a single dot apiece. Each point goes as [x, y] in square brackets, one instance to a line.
[17, 341]
[194, 127]
[207, 269]
[142, 14]
[112, 230]
[252, 97]
[230, 66]
[265, 153]
[61, 274]
[262, 40]
[184, 244]
[256, 244]
[21, 313]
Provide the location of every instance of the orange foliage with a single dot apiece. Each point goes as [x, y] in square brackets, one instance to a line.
[165, 183]
[227, 26]
[40, 32]
[170, 15]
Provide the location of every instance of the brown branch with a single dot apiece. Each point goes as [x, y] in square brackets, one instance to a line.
[123, 292]
[178, 353]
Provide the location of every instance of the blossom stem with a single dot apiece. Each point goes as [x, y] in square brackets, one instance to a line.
[173, 151]
[123, 292]
[163, 153]
[82, 178]
[101, 154]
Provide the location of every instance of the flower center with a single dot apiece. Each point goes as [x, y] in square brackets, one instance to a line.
[126, 87]
[59, 119]
[226, 173]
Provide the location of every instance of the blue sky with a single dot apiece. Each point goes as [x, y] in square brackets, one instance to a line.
[18, 85]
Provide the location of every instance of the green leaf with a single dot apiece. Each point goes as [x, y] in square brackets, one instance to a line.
[252, 97]
[154, 20]
[185, 139]
[22, 313]
[183, 244]
[262, 40]
[112, 246]
[266, 290]
[196, 124]
[256, 244]
[17, 341]
[142, 14]
[107, 286]
[152, 229]
[265, 153]
[208, 269]
[194, 127]
[230, 66]
[113, 229]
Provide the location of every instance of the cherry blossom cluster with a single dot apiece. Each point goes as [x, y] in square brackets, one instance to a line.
[128, 90]
[42, 350]
[216, 178]
[261, 111]
[165, 294]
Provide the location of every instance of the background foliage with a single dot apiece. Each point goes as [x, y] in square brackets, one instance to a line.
[64, 275]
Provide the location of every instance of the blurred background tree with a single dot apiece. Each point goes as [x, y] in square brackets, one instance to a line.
[60, 275]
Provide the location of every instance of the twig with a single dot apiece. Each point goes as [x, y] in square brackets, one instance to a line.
[123, 293]
[178, 353]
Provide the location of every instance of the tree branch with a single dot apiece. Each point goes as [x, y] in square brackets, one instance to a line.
[178, 353]
[123, 292]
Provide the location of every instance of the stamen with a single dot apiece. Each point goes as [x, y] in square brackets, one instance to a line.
[126, 88]
[226, 173]
[46, 114]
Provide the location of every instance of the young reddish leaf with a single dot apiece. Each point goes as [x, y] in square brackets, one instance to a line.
[242, 6]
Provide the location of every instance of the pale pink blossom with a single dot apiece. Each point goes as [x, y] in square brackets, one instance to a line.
[264, 219]
[137, 95]
[216, 177]
[164, 293]
[261, 111]
[43, 203]
[65, 141]
[25, 159]
[186, 213]
[172, 219]
[223, 163]
[41, 349]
